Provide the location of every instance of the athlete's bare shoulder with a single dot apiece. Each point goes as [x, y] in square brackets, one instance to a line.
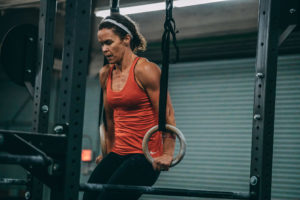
[144, 66]
[103, 74]
[147, 72]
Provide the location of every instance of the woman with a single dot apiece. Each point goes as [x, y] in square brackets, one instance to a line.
[131, 101]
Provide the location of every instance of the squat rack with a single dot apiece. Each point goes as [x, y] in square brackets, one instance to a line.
[54, 158]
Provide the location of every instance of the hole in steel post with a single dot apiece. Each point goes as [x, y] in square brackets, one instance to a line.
[257, 127]
[77, 98]
[259, 85]
[255, 169]
[256, 148]
[68, 54]
[67, 66]
[81, 49]
[65, 91]
[80, 61]
[257, 138]
[258, 106]
[79, 73]
[264, 12]
[41, 39]
[42, 14]
[64, 104]
[68, 42]
[270, 133]
[83, 12]
[63, 116]
[66, 79]
[262, 44]
[259, 96]
[78, 86]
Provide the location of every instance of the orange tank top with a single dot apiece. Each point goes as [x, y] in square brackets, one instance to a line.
[133, 117]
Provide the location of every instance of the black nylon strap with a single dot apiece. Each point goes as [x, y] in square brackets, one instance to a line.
[101, 113]
[169, 27]
[114, 8]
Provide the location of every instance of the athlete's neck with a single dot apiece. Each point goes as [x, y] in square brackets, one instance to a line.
[126, 61]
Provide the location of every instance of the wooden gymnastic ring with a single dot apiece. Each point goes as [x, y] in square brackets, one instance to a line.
[102, 140]
[171, 129]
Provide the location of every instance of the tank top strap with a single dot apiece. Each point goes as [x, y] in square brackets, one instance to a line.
[133, 66]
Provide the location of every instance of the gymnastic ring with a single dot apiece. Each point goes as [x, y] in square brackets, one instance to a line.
[171, 129]
[102, 140]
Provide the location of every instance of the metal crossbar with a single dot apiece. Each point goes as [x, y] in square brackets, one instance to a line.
[165, 191]
[7, 158]
[11, 181]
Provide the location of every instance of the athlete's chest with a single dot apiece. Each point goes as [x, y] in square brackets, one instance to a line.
[119, 80]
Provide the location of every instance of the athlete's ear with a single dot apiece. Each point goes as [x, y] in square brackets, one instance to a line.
[127, 40]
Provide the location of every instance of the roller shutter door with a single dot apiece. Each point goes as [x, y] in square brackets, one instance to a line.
[213, 106]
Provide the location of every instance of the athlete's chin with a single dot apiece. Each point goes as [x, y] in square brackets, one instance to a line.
[111, 60]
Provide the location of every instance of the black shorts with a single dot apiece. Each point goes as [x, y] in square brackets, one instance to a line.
[132, 169]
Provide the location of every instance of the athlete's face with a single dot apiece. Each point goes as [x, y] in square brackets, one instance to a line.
[112, 46]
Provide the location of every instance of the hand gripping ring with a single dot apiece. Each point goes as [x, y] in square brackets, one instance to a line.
[171, 129]
[102, 140]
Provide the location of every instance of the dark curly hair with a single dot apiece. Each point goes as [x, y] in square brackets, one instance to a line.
[137, 43]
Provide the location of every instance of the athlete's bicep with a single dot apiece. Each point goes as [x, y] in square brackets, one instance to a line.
[149, 76]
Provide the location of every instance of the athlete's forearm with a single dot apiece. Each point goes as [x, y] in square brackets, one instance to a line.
[168, 144]
[109, 135]
[169, 139]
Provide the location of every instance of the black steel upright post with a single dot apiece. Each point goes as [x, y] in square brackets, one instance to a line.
[264, 100]
[43, 78]
[44, 66]
[72, 93]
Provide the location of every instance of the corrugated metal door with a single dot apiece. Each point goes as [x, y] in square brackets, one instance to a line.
[213, 105]
[286, 157]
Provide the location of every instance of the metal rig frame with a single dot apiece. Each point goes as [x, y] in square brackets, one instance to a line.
[53, 159]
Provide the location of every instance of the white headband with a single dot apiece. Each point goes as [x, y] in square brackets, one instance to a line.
[119, 25]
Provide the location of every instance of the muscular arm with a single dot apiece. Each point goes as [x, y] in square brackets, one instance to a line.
[109, 126]
[148, 76]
